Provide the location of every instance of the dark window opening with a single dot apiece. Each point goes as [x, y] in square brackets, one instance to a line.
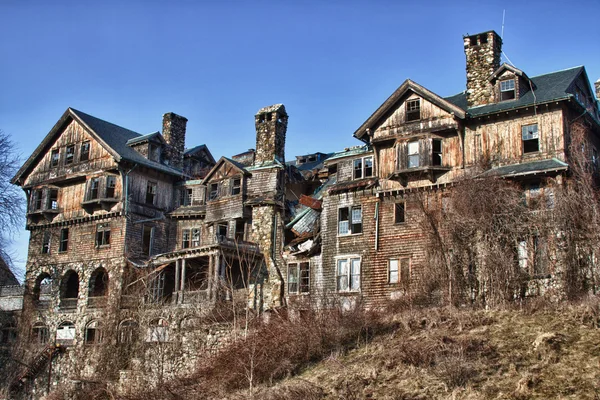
[111, 183]
[413, 110]
[195, 237]
[84, 153]
[98, 283]
[436, 152]
[368, 167]
[239, 230]
[46, 243]
[102, 235]
[162, 286]
[399, 213]
[70, 154]
[332, 169]
[222, 230]
[151, 193]
[507, 90]
[53, 199]
[94, 189]
[236, 186]
[147, 239]
[214, 191]
[483, 39]
[269, 117]
[37, 199]
[42, 288]
[405, 271]
[358, 171]
[54, 158]
[64, 240]
[530, 136]
[39, 333]
[93, 333]
[185, 239]
[350, 220]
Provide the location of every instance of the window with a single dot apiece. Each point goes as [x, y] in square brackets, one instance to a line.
[93, 191]
[70, 154]
[151, 192]
[240, 226]
[399, 213]
[147, 239]
[46, 243]
[65, 333]
[222, 230]
[84, 152]
[64, 240]
[236, 186]
[54, 158]
[348, 275]
[128, 331]
[299, 277]
[413, 154]
[350, 220]
[399, 270]
[413, 110]
[37, 200]
[363, 167]
[52, 199]
[93, 333]
[195, 237]
[530, 136]
[185, 240]
[158, 331]
[214, 191]
[98, 283]
[595, 158]
[185, 197]
[39, 333]
[507, 90]
[436, 152]
[111, 183]
[102, 235]
[8, 332]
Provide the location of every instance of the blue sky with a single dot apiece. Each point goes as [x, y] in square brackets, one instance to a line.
[332, 63]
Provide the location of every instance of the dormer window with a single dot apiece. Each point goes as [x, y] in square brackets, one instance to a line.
[413, 110]
[507, 90]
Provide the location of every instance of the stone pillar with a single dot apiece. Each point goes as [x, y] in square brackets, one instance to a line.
[177, 281]
[174, 127]
[182, 276]
[597, 84]
[483, 53]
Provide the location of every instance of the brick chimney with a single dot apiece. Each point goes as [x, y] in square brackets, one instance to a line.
[174, 134]
[483, 59]
[271, 126]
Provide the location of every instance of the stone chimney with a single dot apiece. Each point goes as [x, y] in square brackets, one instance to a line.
[174, 134]
[271, 126]
[483, 59]
[597, 84]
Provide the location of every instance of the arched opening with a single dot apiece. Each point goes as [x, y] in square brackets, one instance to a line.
[69, 290]
[39, 333]
[128, 331]
[65, 333]
[98, 288]
[158, 331]
[41, 290]
[93, 333]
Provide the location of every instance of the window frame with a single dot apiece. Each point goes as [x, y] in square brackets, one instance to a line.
[54, 158]
[416, 154]
[505, 92]
[531, 137]
[353, 228]
[399, 218]
[195, 238]
[213, 191]
[102, 235]
[84, 151]
[186, 238]
[151, 193]
[362, 171]
[236, 186]
[94, 189]
[402, 270]
[46, 242]
[301, 272]
[63, 244]
[110, 187]
[412, 110]
[70, 154]
[352, 280]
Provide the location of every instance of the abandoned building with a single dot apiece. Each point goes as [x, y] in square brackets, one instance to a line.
[109, 208]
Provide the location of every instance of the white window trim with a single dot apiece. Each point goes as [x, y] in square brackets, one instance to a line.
[349, 208]
[399, 270]
[362, 169]
[349, 258]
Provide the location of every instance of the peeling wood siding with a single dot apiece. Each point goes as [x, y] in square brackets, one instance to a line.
[138, 181]
[74, 133]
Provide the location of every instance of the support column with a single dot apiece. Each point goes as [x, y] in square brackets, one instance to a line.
[210, 277]
[182, 277]
[177, 281]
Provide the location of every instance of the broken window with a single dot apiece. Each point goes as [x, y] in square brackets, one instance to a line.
[185, 239]
[36, 203]
[363, 167]
[93, 333]
[98, 283]
[128, 331]
[350, 220]
[239, 230]
[65, 333]
[111, 183]
[399, 213]
[147, 239]
[507, 90]
[93, 192]
[186, 197]
[195, 237]
[299, 277]
[158, 331]
[413, 110]
[214, 191]
[358, 170]
[102, 235]
[530, 136]
[413, 154]
[151, 193]
[39, 333]
[52, 201]
[84, 152]
[70, 154]
[236, 186]
[54, 158]
[436, 152]
[64, 240]
[222, 230]
[348, 275]
[46, 243]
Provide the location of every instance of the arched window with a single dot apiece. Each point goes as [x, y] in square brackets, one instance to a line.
[93, 333]
[41, 290]
[98, 283]
[65, 333]
[8, 332]
[158, 331]
[39, 333]
[128, 331]
[69, 290]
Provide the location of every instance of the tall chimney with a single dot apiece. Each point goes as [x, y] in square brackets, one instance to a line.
[174, 133]
[597, 84]
[271, 126]
[483, 59]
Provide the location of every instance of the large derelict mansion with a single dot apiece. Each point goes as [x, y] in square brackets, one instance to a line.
[109, 207]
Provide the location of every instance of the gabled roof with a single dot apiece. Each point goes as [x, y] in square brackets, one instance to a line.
[222, 161]
[197, 149]
[407, 86]
[550, 87]
[154, 137]
[508, 67]
[112, 137]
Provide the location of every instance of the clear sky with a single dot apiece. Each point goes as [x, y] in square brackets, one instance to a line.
[332, 63]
